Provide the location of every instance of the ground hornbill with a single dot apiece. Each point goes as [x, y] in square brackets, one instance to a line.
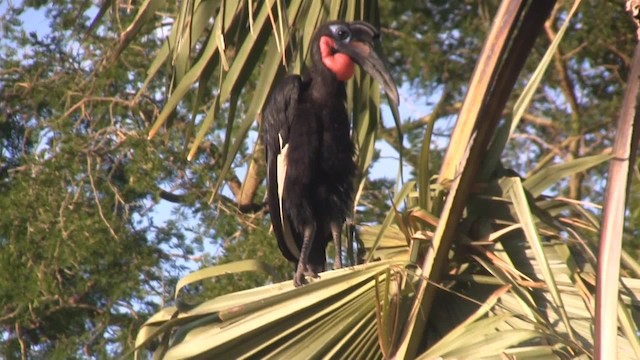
[310, 155]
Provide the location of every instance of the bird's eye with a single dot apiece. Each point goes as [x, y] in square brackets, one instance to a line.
[341, 33]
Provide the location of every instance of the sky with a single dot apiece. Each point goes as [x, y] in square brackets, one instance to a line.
[33, 20]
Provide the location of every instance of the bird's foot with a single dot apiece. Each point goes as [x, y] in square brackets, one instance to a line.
[302, 272]
[313, 270]
[299, 279]
[312, 274]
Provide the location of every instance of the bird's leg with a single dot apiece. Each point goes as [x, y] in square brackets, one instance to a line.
[336, 232]
[299, 278]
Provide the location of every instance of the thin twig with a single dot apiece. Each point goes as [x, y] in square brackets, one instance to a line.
[95, 195]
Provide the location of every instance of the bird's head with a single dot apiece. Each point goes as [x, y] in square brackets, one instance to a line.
[342, 44]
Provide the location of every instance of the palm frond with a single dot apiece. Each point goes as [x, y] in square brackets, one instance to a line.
[279, 320]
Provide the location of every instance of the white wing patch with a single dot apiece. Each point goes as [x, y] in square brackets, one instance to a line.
[281, 172]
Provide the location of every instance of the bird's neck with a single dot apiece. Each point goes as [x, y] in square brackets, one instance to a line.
[325, 85]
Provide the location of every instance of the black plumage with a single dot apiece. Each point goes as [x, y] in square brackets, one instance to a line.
[310, 155]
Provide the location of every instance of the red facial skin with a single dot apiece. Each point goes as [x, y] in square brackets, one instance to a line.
[340, 64]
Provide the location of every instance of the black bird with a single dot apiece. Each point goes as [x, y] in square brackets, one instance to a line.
[310, 155]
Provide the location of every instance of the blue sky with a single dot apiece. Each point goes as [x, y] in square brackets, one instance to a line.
[32, 20]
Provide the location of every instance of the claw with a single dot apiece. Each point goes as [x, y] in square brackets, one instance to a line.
[312, 273]
[299, 279]
[302, 272]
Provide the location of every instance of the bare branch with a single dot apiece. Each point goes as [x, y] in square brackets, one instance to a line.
[540, 121]
[95, 195]
[171, 197]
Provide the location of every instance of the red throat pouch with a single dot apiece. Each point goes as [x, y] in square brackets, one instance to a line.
[340, 64]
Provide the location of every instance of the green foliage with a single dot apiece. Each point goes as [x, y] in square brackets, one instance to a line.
[55, 257]
[79, 262]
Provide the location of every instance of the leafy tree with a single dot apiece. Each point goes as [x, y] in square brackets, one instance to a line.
[81, 258]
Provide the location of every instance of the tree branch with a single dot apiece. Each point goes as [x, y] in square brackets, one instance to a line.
[253, 179]
[567, 87]
[171, 197]
[540, 121]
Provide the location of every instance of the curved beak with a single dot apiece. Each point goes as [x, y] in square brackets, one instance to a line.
[364, 55]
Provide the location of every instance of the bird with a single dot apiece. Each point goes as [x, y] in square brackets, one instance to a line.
[310, 156]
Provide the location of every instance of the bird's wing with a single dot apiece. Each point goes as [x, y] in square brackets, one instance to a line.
[277, 117]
